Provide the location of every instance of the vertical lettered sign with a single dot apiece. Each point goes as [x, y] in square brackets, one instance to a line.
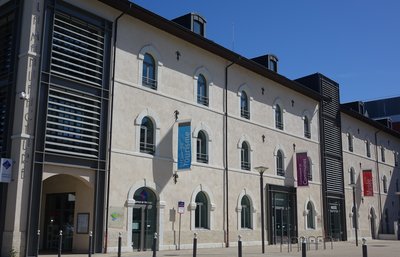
[184, 146]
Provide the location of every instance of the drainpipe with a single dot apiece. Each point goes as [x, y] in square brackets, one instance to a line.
[226, 152]
[378, 180]
[111, 122]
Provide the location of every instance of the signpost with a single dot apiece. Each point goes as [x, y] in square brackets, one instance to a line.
[181, 210]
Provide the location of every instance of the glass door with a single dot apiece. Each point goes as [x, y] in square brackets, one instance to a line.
[335, 226]
[281, 225]
[144, 219]
[59, 215]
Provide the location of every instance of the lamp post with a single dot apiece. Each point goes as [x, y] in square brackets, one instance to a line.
[261, 170]
[353, 186]
[398, 217]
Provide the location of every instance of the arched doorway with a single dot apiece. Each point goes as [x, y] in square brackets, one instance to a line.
[144, 219]
[67, 206]
[372, 220]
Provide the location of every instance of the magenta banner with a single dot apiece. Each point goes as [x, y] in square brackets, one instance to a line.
[302, 169]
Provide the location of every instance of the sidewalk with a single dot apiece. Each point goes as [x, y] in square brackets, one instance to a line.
[378, 248]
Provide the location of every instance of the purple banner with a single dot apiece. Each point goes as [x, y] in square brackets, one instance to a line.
[302, 169]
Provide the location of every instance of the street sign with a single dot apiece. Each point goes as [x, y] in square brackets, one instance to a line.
[5, 170]
[181, 207]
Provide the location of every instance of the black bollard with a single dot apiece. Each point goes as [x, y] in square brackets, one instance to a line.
[119, 244]
[90, 244]
[38, 243]
[155, 245]
[303, 249]
[195, 245]
[240, 246]
[364, 248]
[60, 243]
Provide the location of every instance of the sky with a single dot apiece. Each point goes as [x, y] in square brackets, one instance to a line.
[354, 42]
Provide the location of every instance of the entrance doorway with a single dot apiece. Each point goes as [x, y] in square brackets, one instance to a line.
[281, 225]
[282, 221]
[144, 219]
[334, 219]
[59, 215]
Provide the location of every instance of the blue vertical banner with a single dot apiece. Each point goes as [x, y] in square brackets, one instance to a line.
[184, 146]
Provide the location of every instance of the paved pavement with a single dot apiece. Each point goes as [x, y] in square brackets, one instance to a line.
[375, 248]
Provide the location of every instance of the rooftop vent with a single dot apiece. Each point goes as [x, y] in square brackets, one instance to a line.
[269, 61]
[194, 22]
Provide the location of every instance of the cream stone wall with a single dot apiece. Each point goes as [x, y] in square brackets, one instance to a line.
[177, 81]
[177, 91]
[359, 161]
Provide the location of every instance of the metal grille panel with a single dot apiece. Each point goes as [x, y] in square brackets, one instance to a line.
[77, 50]
[73, 123]
[333, 176]
[6, 76]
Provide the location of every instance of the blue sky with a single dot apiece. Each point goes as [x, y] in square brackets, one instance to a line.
[354, 42]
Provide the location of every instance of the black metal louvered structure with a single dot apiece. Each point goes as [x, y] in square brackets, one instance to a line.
[331, 154]
[9, 38]
[73, 102]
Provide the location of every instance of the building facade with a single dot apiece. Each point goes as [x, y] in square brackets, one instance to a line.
[119, 122]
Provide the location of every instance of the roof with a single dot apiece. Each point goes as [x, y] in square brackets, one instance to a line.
[185, 34]
[375, 124]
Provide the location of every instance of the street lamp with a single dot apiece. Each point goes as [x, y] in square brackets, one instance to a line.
[353, 185]
[261, 170]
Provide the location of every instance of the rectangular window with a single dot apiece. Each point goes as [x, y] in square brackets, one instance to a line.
[396, 159]
[383, 154]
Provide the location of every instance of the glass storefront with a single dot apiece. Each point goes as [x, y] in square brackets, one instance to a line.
[282, 215]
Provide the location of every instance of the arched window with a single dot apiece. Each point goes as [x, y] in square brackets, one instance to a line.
[310, 216]
[307, 131]
[149, 72]
[244, 106]
[350, 142]
[368, 148]
[245, 156]
[385, 188]
[147, 136]
[202, 147]
[278, 117]
[280, 171]
[383, 154]
[202, 90]
[352, 176]
[246, 213]
[201, 213]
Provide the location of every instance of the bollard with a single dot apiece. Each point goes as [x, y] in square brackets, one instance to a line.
[195, 245]
[60, 243]
[38, 243]
[331, 242]
[90, 244]
[119, 244]
[155, 245]
[364, 248]
[325, 243]
[303, 248]
[240, 246]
